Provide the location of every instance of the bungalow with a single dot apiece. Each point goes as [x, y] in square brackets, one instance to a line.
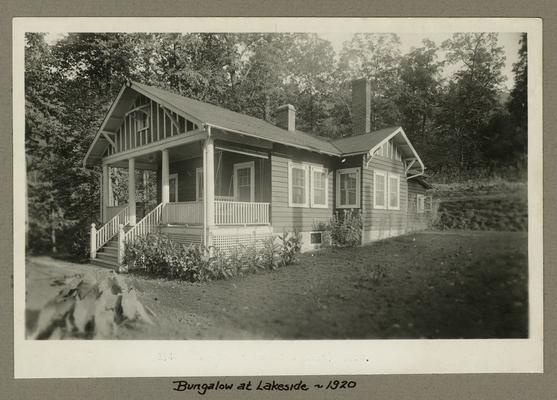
[225, 178]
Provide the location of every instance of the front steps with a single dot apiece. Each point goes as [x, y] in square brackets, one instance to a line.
[107, 256]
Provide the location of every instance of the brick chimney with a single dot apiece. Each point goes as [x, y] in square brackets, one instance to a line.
[361, 106]
[285, 117]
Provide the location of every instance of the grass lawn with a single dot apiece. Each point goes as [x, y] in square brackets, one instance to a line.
[424, 285]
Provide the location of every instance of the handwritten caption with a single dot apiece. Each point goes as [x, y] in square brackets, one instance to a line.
[262, 385]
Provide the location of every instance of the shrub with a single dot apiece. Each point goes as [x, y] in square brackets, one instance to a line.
[157, 255]
[89, 309]
[346, 228]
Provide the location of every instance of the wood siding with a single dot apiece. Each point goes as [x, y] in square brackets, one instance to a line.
[383, 219]
[283, 217]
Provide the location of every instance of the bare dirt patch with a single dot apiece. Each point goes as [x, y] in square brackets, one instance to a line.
[427, 285]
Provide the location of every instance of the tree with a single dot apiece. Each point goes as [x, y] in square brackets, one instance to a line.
[375, 57]
[472, 95]
[419, 91]
[518, 102]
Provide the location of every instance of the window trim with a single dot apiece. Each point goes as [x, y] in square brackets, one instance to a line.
[198, 179]
[339, 172]
[305, 167]
[242, 165]
[397, 176]
[313, 169]
[385, 175]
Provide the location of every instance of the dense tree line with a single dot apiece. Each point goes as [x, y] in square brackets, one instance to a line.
[462, 125]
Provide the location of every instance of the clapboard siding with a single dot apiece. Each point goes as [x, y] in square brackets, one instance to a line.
[416, 221]
[378, 219]
[285, 218]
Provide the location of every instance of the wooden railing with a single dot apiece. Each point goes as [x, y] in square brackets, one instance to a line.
[185, 212]
[101, 236]
[241, 213]
[148, 224]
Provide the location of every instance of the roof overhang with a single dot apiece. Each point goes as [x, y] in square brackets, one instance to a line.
[403, 143]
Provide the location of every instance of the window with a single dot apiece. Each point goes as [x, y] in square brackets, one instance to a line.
[173, 188]
[394, 192]
[348, 188]
[199, 184]
[298, 185]
[142, 120]
[420, 204]
[244, 181]
[319, 187]
[315, 238]
[379, 189]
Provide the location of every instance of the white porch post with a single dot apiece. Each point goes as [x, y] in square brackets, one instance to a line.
[209, 185]
[105, 178]
[165, 186]
[131, 190]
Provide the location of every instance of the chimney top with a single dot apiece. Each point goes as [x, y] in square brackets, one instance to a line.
[361, 106]
[286, 117]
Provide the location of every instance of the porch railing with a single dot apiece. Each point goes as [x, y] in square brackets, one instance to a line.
[190, 212]
[241, 213]
[148, 224]
[101, 236]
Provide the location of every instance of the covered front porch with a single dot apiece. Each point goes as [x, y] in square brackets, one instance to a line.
[203, 187]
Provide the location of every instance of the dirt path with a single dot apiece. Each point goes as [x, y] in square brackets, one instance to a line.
[464, 284]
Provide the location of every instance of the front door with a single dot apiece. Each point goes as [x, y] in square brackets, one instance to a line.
[244, 181]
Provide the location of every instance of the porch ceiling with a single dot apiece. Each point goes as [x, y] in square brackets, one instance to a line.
[153, 160]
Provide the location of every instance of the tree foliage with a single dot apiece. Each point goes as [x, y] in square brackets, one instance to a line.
[457, 121]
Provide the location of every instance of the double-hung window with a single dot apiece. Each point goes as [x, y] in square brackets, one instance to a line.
[348, 188]
[319, 187]
[394, 192]
[199, 184]
[386, 190]
[420, 204]
[379, 189]
[298, 185]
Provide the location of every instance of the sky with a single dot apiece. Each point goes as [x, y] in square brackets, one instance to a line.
[509, 42]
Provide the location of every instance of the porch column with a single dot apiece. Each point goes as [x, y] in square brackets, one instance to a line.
[165, 186]
[209, 185]
[131, 189]
[105, 178]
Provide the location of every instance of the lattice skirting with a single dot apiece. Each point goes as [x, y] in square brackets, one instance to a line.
[227, 240]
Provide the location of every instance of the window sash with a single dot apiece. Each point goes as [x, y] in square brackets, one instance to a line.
[298, 185]
[380, 190]
[319, 187]
[199, 184]
[348, 188]
[394, 192]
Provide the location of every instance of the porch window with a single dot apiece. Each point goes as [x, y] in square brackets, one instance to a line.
[394, 192]
[319, 185]
[348, 188]
[298, 185]
[173, 187]
[199, 184]
[244, 181]
[379, 189]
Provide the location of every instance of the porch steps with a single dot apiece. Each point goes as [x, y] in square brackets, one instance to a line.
[107, 256]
